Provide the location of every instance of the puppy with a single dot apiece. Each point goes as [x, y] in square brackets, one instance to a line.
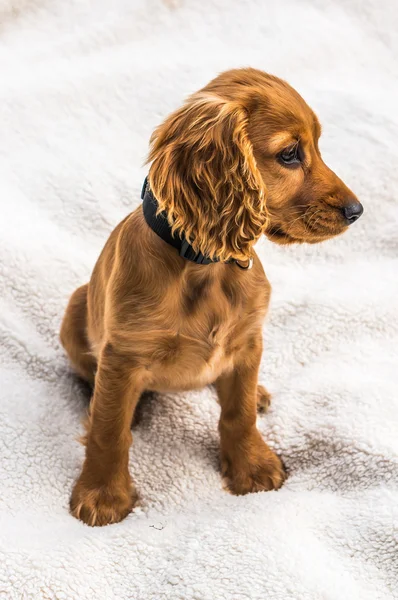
[178, 296]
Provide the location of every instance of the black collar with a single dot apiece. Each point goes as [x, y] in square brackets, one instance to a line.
[159, 224]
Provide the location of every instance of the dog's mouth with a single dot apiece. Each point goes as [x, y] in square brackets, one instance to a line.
[306, 230]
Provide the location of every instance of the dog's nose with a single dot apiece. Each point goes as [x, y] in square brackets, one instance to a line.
[352, 211]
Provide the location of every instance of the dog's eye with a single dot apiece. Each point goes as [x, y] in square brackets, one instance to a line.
[290, 156]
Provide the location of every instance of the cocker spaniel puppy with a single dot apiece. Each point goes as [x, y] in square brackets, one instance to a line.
[178, 296]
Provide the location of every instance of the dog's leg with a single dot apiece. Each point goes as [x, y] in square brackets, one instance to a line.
[248, 464]
[74, 335]
[104, 492]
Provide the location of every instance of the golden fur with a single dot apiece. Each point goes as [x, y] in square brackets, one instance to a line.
[151, 320]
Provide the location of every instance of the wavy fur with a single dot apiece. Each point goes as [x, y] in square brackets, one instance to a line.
[205, 177]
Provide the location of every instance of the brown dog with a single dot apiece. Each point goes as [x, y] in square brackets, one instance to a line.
[238, 160]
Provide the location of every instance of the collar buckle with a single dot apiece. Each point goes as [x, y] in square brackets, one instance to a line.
[245, 267]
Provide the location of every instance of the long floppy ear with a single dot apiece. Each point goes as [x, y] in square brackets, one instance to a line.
[205, 177]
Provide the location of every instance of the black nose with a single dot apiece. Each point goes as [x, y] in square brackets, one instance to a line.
[352, 211]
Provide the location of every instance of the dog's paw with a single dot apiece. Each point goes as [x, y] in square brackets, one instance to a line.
[263, 471]
[103, 505]
[263, 399]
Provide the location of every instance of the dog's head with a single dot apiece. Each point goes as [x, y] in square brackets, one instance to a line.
[240, 159]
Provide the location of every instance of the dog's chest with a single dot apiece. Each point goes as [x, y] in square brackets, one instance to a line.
[200, 342]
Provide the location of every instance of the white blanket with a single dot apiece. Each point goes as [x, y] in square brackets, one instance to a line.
[82, 86]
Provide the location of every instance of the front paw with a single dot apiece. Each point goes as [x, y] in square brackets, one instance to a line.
[263, 399]
[103, 505]
[254, 470]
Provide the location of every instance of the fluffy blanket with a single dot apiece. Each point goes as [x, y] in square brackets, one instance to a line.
[82, 86]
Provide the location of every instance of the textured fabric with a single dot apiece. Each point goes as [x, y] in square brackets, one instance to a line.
[83, 84]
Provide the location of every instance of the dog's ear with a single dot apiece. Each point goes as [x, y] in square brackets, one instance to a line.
[204, 175]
